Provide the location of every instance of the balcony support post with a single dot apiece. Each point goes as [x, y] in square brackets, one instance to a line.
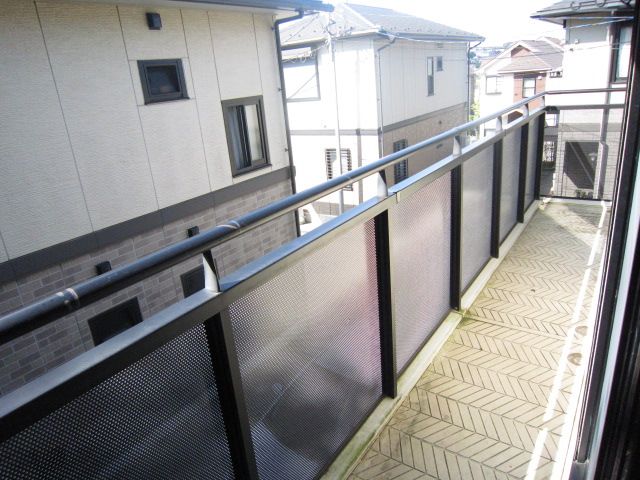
[539, 155]
[522, 173]
[495, 204]
[385, 305]
[455, 276]
[224, 360]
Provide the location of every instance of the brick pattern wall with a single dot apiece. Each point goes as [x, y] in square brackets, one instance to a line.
[51, 345]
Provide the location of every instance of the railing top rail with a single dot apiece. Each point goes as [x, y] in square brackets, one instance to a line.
[82, 294]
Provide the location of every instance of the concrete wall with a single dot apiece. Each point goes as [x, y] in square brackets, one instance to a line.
[89, 154]
[41, 350]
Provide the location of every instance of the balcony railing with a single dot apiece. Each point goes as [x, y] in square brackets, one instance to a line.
[268, 372]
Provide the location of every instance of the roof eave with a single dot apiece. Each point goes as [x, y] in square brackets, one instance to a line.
[270, 5]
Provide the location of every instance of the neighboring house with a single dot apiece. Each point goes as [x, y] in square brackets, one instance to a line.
[400, 79]
[525, 68]
[581, 146]
[126, 128]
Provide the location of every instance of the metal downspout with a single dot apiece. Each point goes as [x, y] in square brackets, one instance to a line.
[292, 168]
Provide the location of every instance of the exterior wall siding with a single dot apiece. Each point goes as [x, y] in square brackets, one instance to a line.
[37, 352]
[77, 128]
[438, 123]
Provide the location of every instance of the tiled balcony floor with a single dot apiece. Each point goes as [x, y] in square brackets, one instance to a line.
[494, 403]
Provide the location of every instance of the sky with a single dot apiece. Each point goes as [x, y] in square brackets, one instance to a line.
[499, 21]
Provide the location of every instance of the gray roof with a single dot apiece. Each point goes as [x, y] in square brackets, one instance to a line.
[352, 19]
[543, 55]
[568, 8]
[273, 5]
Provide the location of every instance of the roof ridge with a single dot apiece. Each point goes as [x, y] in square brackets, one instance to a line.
[360, 16]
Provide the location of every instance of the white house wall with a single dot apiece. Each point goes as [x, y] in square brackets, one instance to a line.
[76, 128]
[403, 72]
[355, 72]
[34, 143]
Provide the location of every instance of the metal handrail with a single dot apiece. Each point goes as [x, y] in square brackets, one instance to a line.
[54, 306]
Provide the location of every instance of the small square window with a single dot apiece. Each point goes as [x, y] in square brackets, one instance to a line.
[493, 84]
[246, 134]
[439, 64]
[114, 321]
[528, 87]
[162, 80]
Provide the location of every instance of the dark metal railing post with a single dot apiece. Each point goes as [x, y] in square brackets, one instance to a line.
[539, 155]
[230, 392]
[522, 173]
[497, 192]
[385, 305]
[455, 275]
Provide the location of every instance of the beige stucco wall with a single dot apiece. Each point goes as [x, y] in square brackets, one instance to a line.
[80, 151]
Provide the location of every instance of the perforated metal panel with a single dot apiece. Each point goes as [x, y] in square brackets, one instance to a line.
[420, 254]
[309, 350]
[532, 159]
[509, 185]
[477, 178]
[158, 418]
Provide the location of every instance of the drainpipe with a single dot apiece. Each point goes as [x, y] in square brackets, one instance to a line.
[469, 93]
[292, 168]
[381, 129]
[332, 52]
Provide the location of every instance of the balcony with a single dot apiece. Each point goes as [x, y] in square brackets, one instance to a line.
[440, 329]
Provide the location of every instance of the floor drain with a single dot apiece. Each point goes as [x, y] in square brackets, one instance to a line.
[575, 358]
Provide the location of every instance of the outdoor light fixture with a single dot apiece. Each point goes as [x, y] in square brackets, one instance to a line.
[154, 21]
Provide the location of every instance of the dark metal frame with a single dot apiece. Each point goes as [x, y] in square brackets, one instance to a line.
[37, 399]
[228, 108]
[495, 203]
[165, 97]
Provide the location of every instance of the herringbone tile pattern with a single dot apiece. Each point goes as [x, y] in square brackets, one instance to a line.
[494, 402]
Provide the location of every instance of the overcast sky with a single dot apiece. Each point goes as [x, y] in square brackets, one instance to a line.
[499, 21]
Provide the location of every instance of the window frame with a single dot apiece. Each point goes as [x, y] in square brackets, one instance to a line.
[431, 77]
[535, 85]
[498, 85]
[227, 107]
[615, 47]
[149, 97]
[439, 64]
[329, 167]
[301, 62]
